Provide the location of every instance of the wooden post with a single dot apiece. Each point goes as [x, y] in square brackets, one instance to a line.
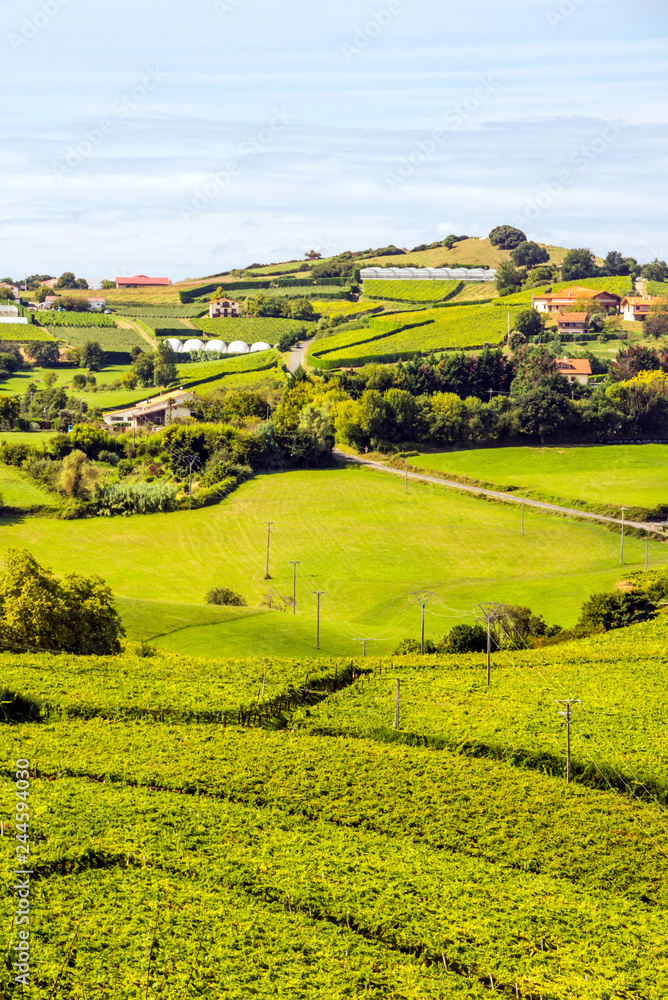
[396, 710]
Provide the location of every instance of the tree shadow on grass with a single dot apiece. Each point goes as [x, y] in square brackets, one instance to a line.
[15, 708]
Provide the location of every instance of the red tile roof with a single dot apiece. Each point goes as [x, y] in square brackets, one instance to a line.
[571, 317]
[573, 366]
[141, 279]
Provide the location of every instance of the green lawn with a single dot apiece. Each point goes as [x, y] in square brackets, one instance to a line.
[359, 538]
[27, 437]
[21, 493]
[630, 475]
[102, 398]
[144, 620]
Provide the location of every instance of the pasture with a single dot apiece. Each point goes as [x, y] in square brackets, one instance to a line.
[359, 538]
[615, 475]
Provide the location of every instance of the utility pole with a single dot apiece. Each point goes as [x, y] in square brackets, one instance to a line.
[489, 612]
[364, 642]
[523, 519]
[422, 598]
[406, 490]
[319, 594]
[269, 524]
[294, 563]
[567, 715]
[621, 556]
[396, 708]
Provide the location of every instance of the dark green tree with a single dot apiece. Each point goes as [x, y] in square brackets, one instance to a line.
[508, 278]
[616, 610]
[617, 264]
[92, 356]
[544, 413]
[529, 254]
[656, 271]
[45, 353]
[507, 237]
[164, 367]
[529, 322]
[578, 264]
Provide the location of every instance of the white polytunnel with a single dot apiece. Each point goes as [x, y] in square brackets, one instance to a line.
[217, 345]
[261, 346]
[176, 345]
[193, 345]
[238, 347]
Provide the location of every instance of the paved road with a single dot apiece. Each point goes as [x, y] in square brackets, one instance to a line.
[495, 495]
[298, 353]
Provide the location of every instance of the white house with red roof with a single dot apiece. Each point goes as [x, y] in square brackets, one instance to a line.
[563, 301]
[574, 369]
[637, 309]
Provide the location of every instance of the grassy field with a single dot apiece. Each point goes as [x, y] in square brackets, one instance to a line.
[476, 252]
[26, 437]
[22, 494]
[360, 539]
[102, 397]
[629, 475]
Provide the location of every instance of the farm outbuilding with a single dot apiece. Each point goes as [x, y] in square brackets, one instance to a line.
[224, 309]
[238, 347]
[261, 346]
[217, 345]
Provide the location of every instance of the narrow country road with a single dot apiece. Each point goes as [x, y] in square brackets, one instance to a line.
[507, 497]
[298, 353]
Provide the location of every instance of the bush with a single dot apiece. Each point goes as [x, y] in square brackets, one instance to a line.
[466, 639]
[110, 457]
[225, 596]
[412, 646]
[616, 610]
[134, 498]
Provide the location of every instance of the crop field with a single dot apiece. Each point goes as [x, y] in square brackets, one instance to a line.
[116, 339]
[339, 856]
[630, 475]
[346, 309]
[268, 378]
[21, 494]
[372, 548]
[241, 363]
[306, 291]
[446, 700]
[657, 288]
[265, 328]
[76, 319]
[159, 312]
[440, 329]
[17, 333]
[411, 291]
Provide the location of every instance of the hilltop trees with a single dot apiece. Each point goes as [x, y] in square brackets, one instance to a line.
[507, 237]
[69, 280]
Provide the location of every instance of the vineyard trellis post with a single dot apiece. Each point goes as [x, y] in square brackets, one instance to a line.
[396, 707]
[621, 552]
[422, 598]
[567, 715]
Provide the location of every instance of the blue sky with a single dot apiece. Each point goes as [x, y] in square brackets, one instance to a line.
[181, 139]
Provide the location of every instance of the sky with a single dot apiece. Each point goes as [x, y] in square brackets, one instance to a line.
[180, 140]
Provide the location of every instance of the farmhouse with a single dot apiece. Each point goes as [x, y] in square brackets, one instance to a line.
[222, 308]
[636, 310]
[572, 322]
[574, 369]
[141, 281]
[556, 302]
[158, 410]
[97, 305]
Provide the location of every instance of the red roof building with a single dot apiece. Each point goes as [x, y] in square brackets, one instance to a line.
[574, 369]
[141, 281]
[572, 322]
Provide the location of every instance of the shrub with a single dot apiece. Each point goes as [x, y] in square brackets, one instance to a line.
[412, 646]
[466, 639]
[110, 457]
[616, 610]
[134, 498]
[225, 596]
